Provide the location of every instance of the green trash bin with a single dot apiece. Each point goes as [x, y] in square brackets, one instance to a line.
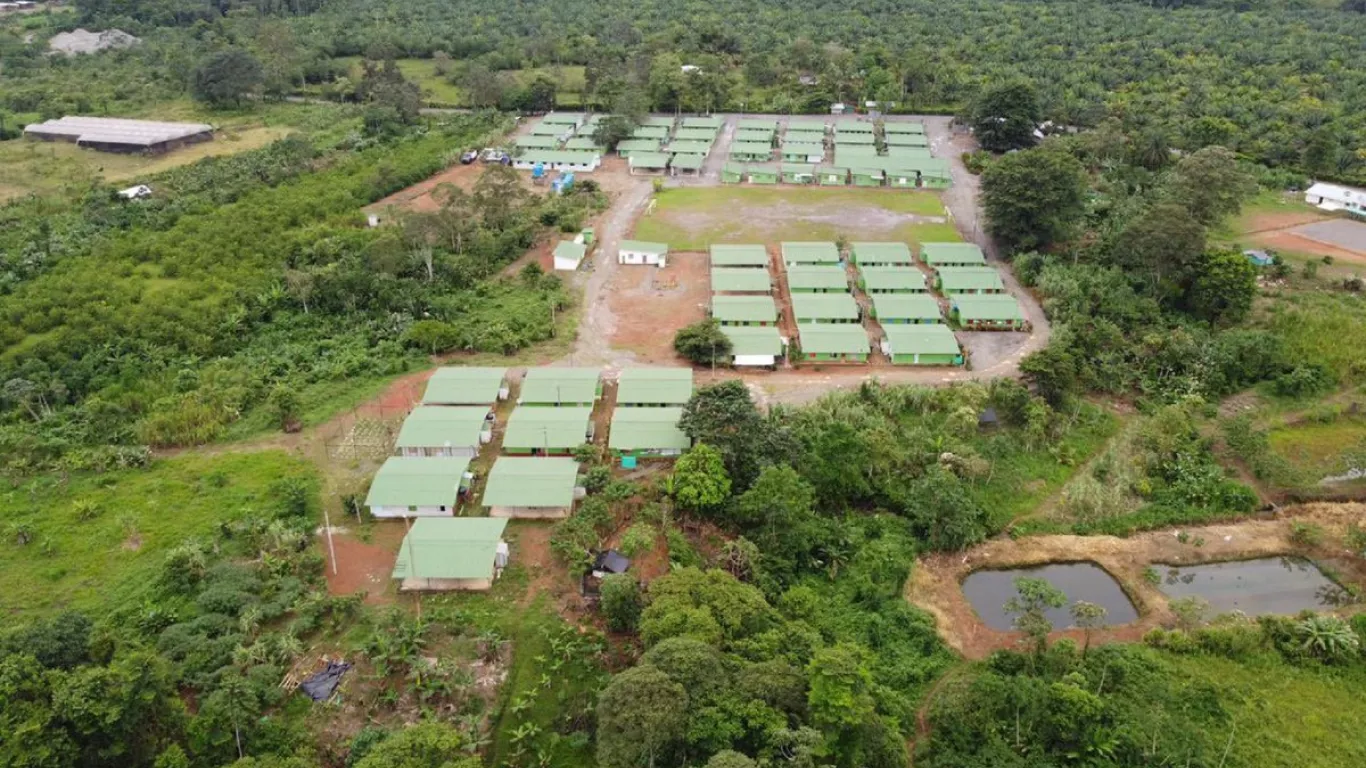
[588, 237]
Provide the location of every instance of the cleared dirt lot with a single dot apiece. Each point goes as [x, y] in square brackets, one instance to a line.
[652, 304]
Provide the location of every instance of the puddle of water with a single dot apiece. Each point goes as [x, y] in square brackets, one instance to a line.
[989, 590]
[1270, 585]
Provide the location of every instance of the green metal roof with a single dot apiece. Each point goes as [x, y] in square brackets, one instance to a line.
[649, 160]
[751, 148]
[537, 142]
[854, 139]
[833, 339]
[531, 481]
[923, 339]
[644, 429]
[450, 548]
[824, 306]
[962, 279]
[907, 306]
[802, 148]
[637, 386]
[732, 167]
[763, 170]
[650, 132]
[798, 169]
[854, 126]
[806, 126]
[757, 123]
[562, 156]
[829, 170]
[810, 253]
[726, 255]
[548, 428]
[464, 386]
[643, 246]
[583, 143]
[568, 249]
[952, 253]
[740, 280]
[435, 426]
[914, 154]
[996, 306]
[551, 385]
[881, 253]
[754, 339]
[639, 145]
[417, 481]
[658, 121]
[563, 118]
[899, 126]
[688, 147]
[817, 277]
[695, 134]
[713, 122]
[892, 278]
[907, 140]
[548, 129]
[688, 162]
[744, 309]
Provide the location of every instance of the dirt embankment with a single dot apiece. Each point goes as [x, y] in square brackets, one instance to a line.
[935, 583]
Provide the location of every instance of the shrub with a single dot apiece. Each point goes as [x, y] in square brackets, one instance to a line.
[1304, 381]
[621, 602]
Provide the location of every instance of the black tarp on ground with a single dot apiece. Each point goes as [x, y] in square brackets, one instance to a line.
[321, 686]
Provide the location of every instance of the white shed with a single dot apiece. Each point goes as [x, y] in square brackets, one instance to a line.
[640, 252]
[569, 253]
[1335, 197]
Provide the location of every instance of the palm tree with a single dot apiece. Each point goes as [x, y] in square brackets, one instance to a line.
[1328, 638]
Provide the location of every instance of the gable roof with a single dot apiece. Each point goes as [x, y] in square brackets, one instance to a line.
[892, 278]
[654, 385]
[583, 143]
[816, 277]
[649, 160]
[931, 339]
[758, 123]
[553, 385]
[651, 131]
[568, 249]
[703, 122]
[754, 339]
[744, 309]
[688, 147]
[548, 428]
[695, 134]
[900, 126]
[531, 481]
[639, 145]
[952, 253]
[810, 253]
[647, 429]
[996, 306]
[957, 279]
[417, 481]
[740, 280]
[881, 253]
[742, 147]
[435, 426]
[449, 548]
[833, 339]
[458, 385]
[908, 306]
[688, 162]
[537, 142]
[824, 306]
[563, 118]
[643, 246]
[727, 255]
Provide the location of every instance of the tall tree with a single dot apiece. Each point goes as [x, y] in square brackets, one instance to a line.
[640, 714]
[1004, 116]
[1033, 198]
[700, 482]
[1210, 184]
[1223, 287]
[1030, 605]
[227, 78]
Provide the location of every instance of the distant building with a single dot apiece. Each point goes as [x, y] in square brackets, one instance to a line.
[109, 134]
[1334, 197]
[136, 193]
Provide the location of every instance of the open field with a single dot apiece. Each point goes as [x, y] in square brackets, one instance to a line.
[653, 304]
[1283, 222]
[98, 540]
[693, 218]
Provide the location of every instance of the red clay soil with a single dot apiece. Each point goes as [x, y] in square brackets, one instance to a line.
[364, 566]
[1270, 221]
[1287, 240]
[652, 304]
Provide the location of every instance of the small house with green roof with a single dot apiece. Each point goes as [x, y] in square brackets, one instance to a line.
[711, 122]
[799, 174]
[574, 119]
[855, 126]
[968, 280]
[740, 280]
[906, 140]
[550, 131]
[548, 431]
[557, 160]
[583, 143]
[802, 153]
[807, 253]
[869, 254]
[874, 280]
[418, 486]
[754, 347]
[845, 139]
[554, 385]
[532, 487]
[654, 387]
[648, 163]
[679, 147]
[739, 255]
[905, 308]
[908, 157]
[568, 254]
[832, 177]
[656, 132]
[643, 252]
[825, 342]
[631, 146]
[763, 174]
[938, 255]
[647, 432]
[695, 134]
[922, 344]
[445, 430]
[866, 177]
[451, 554]
[987, 312]
[901, 179]
[751, 152]
[817, 278]
[824, 308]
[744, 310]
[686, 165]
[537, 142]
[751, 136]
[732, 173]
[461, 385]
[659, 121]
[902, 127]
[757, 124]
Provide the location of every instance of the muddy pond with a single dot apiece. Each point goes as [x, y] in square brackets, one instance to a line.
[1270, 585]
[988, 591]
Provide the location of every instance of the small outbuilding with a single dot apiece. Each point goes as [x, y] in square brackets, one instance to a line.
[631, 146]
[561, 160]
[648, 163]
[968, 280]
[906, 140]
[1336, 197]
[817, 278]
[642, 252]
[556, 386]
[657, 132]
[751, 152]
[445, 430]
[938, 255]
[739, 255]
[807, 253]
[711, 122]
[989, 312]
[824, 308]
[866, 254]
[654, 387]
[451, 554]
[421, 486]
[799, 174]
[762, 174]
[901, 308]
[832, 177]
[568, 255]
[793, 152]
[902, 127]
[923, 344]
[686, 165]
[744, 310]
[740, 280]
[825, 342]
[459, 385]
[707, 135]
[534, 141]
[682, 147]
[536, 488]
[112, 134]
[548, 431]
[754, 347]
[647, 432]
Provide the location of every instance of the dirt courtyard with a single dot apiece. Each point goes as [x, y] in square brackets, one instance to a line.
[652, 304]
[935, 583]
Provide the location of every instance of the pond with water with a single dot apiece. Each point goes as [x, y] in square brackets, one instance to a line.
[1270, 585]
[988, 591]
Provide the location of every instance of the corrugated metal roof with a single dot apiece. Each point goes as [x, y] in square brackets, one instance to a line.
[810, 253]
[824, 306]
[649, 160]
[564, 118]
[817, 277]
[695, 134]
[568, 249]
[537, 142]
[688, 147]
[643, 246]
[758, 123]
[531, 481]
[549, 385]
[464, 386]
[744, 309]
[833, 339]
[637, 386]
[952, 253]
[961, 279]
[644, 429]
[741, 280]
[907, 140]
[113, 130]
[417, 481]
[901, 126]
[881, 253]
[650, 132]
[449, 548]
[547, 428]
[854, 139]
[995, 306]
[712, 122]
[738, 255]
[435, 426]
[924, 339]
[892, 278]
[688, 162]
[905, 306]
[754, 339]
[639, 145]
[583, 143]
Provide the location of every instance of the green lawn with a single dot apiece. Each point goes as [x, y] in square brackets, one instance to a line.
[108, 559]
[1319, 450]
[1286, 717]
[693, 218]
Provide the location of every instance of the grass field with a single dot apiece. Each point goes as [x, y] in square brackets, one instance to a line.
[1319, 450]
[692, 218]
[97, 540]
[1315, 325]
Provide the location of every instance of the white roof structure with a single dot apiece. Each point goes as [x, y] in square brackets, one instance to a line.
[1335, 192]
[113, 130]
